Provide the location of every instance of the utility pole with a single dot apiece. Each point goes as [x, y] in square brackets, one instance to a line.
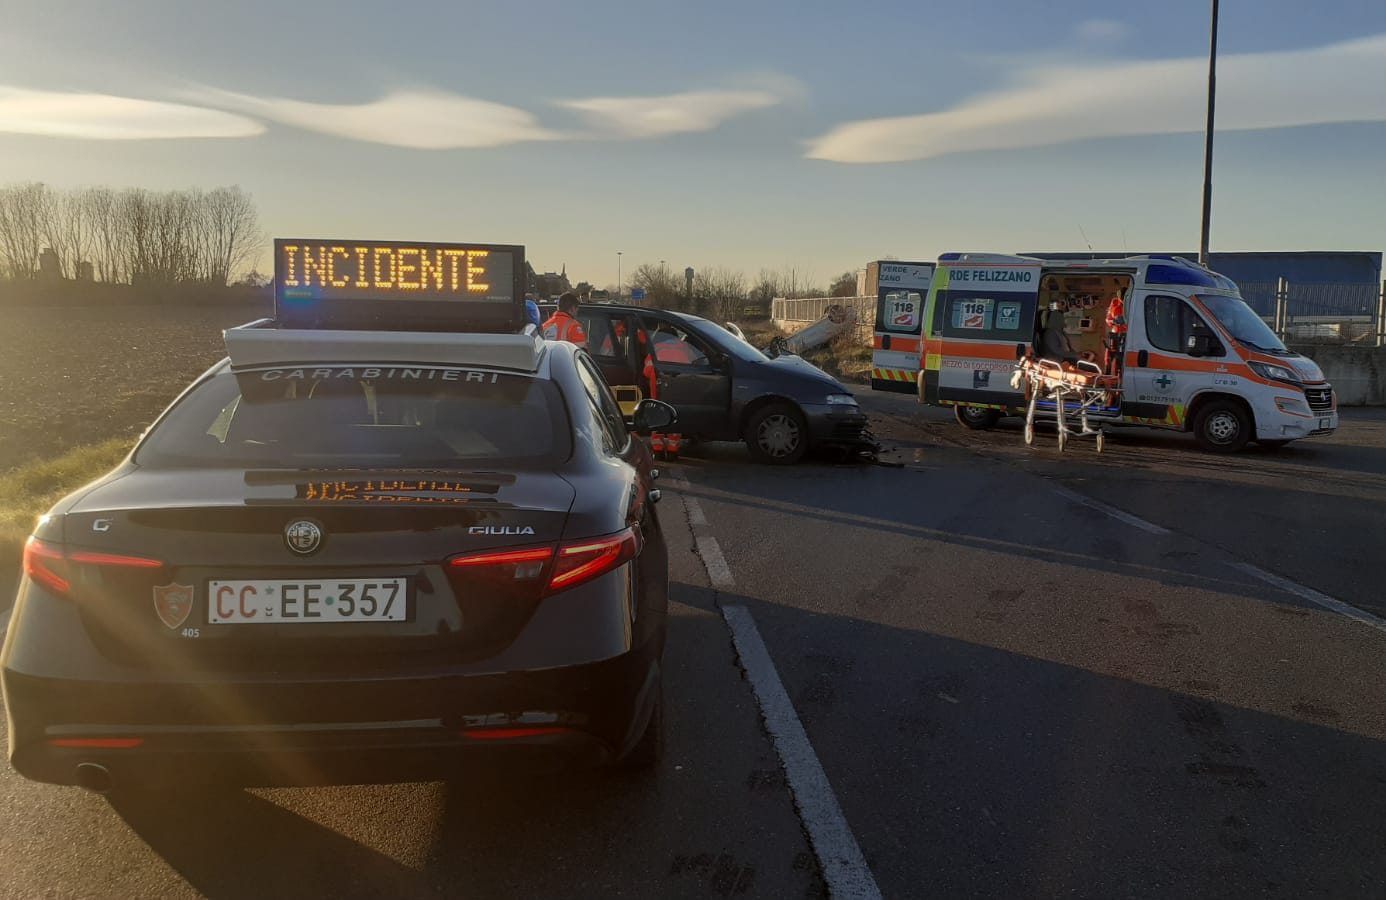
[1208, 139]
[618, 276]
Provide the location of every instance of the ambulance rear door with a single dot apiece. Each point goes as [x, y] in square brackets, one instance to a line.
[897, 346]
[985, 313]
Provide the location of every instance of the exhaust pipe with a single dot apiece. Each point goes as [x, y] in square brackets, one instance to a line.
[94, 777]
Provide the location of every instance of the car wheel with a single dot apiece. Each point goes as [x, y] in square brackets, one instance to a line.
[649, 750]
[975, 417]
[777, 434]
[1222, 426]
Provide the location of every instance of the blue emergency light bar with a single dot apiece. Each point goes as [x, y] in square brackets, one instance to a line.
[398, 285]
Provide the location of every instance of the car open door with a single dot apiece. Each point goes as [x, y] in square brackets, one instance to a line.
[613, 340]
[986, 313]
[692, 376]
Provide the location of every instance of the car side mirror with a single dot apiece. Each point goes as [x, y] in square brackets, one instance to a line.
[654, 415]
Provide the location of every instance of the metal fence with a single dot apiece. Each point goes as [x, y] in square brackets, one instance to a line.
[1322, 313]
[798, 313]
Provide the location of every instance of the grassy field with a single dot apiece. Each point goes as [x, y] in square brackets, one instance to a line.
[79, 384]
[78, 376]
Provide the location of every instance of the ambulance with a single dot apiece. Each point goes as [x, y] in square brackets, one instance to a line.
[1188, 352]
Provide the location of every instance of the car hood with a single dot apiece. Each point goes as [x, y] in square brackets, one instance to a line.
[788, 362]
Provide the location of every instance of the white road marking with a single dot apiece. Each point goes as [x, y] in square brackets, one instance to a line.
[1112, 511]
[717, 569]
[1313, 596]
[844, 868]
[695, 512]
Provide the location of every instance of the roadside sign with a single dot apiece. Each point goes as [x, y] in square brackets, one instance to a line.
[637, 293]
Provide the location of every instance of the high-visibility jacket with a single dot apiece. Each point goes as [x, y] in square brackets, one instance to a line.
[1116, 316]
[563, 327]
[669, 350]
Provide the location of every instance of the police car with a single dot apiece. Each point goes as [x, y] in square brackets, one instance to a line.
[386, 534]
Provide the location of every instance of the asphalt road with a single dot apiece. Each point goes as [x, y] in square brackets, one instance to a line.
[987, 672]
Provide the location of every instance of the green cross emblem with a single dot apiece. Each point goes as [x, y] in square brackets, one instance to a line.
[1164, 381]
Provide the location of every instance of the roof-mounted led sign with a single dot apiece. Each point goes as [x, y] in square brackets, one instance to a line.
[398, 284]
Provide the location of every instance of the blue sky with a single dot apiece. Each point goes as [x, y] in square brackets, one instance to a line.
[742, 134]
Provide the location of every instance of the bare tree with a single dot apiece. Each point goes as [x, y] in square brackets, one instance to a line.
[110, 236]
[663, 289]
[132, 236]
[719, 293]
[21, 227]
[231, 233]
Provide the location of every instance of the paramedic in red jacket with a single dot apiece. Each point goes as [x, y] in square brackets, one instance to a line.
[563, 325]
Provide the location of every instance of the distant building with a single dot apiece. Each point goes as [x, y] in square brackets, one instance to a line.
[50, 266]
[547, 285]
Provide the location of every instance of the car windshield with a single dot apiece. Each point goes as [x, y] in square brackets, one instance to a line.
[338, 417]
[1242, 322]
[729, 343]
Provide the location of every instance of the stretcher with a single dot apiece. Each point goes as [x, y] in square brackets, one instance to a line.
[1059, 391]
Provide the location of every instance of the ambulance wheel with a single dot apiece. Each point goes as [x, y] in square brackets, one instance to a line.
[976, 418]
[1222, 426]
[1029, 434]
[777, 434]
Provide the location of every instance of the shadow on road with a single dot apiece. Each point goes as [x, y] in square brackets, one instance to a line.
[990, 773]
[713, 821]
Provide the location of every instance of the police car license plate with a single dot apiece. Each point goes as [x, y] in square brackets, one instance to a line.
[299, 602]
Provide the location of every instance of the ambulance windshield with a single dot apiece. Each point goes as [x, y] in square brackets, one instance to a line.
[1243, 323]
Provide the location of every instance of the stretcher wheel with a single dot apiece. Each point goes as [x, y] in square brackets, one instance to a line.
[1029, 433]
[1099, 440]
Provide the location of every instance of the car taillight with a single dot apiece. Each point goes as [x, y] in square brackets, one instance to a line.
[51, 567]
[550, 569]
[584, 560]
[44, 563]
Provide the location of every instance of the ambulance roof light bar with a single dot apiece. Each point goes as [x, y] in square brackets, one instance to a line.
[260, 343]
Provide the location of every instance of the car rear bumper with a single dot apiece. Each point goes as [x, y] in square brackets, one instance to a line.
[299, 732]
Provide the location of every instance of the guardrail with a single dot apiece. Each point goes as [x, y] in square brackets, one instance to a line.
[793, 314]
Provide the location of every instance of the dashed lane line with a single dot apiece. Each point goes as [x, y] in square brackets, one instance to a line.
[713, 560]
[695, 512]
[1329, 603]
[844, 868]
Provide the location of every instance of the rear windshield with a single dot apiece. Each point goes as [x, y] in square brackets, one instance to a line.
[362, 417]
